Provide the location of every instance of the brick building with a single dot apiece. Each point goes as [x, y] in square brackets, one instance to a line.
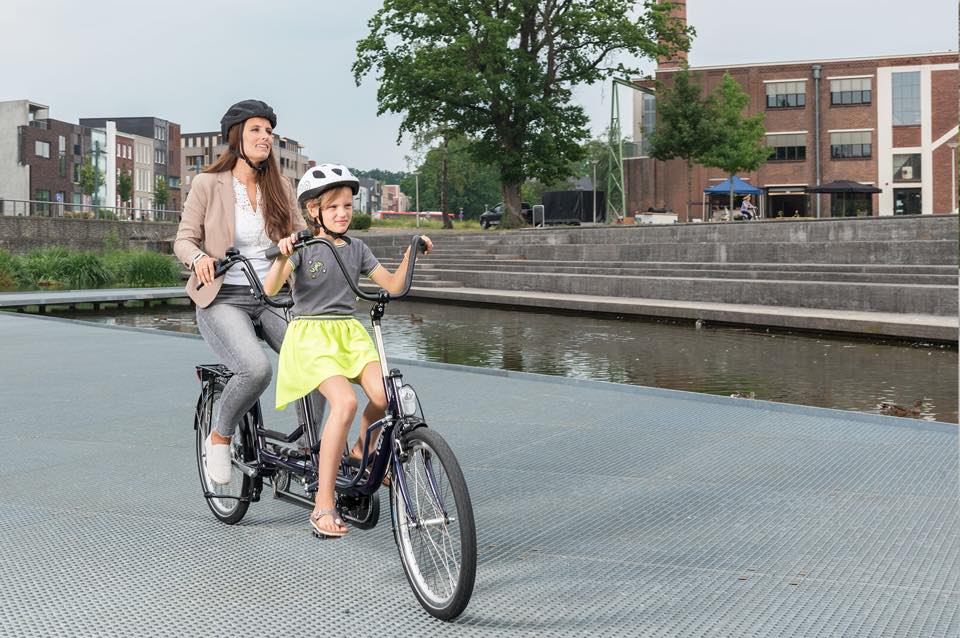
[40, 159]
[884, 121]
[124, 154]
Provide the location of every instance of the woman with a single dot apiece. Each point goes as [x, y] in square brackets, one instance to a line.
[242, 200]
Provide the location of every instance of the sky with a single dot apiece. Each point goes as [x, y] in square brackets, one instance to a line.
[187, 61]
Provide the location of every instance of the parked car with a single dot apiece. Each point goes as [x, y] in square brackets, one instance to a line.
[493, 216]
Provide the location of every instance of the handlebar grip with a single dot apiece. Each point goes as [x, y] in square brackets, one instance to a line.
[272, 253]
[217, 272]
[421, 246]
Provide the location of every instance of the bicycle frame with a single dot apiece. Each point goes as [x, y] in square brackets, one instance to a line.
[395, 423]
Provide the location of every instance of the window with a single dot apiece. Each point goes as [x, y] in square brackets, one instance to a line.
[850, 91]
[173, 181]
[76, 173]
[62, 155]
[906, 98]
[788, 147]
[851, 205]
[850, 145]
[41, 149]
[785, 95]
[648, 122]
[206, 141]
[906, 168]
[42, 195]
[907, 201]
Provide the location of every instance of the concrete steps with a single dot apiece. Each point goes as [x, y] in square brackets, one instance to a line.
[887, 266]
[862, 273]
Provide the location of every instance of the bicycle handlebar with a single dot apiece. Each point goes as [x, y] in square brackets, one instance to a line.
[306, 238]
[221, 266]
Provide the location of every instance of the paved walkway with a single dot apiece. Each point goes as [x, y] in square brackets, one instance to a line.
[602, 510]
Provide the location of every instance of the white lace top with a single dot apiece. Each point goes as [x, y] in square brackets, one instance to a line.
[250, 238]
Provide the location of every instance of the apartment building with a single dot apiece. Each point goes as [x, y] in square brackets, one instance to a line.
[889, 122]
[200, 150]
[165, 138]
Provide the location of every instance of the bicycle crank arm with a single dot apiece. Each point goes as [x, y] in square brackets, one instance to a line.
[249, 470]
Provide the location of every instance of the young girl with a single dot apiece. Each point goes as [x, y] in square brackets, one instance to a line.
[325, 348]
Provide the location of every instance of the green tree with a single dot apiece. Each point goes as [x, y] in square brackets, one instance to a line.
[737, 143]
[125, 186]
[90, 178]
[502, 73]
[161, 193]
[471, 185]
[685, 125]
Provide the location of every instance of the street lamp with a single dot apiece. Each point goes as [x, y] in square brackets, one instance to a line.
[594, 184]
[953, 174]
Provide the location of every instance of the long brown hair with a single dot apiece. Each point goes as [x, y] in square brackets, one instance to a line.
[276, 217]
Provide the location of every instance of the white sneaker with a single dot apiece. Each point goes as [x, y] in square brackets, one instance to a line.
[217, 461]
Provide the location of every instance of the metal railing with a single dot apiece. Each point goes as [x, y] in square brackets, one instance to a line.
[37, 208]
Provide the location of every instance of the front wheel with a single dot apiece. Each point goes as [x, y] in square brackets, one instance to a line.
[433, 526]
[229, 503]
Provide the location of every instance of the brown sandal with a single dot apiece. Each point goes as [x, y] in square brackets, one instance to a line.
[334, 517]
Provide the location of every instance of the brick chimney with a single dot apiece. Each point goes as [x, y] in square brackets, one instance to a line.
[679, 58]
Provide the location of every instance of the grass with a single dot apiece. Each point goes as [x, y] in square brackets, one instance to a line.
[70, 269]
[431, 224]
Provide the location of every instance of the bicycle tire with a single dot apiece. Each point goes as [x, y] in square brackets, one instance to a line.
[440, 558]
[226, 510]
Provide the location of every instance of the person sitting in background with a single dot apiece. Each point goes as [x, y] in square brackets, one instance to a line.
[747, 209]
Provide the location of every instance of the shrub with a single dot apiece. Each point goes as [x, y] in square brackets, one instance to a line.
[143, 268]
[11, 271]
[85, 270]
[47, 265]
[111, 241]
[360, 221]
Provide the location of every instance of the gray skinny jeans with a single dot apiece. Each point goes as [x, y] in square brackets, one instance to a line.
[229, 325]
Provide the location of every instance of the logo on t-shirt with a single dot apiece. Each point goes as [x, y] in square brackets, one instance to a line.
[316, 266]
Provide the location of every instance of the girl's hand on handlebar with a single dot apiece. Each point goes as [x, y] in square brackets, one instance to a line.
[428, 242]
[286, 244]
[204, 268]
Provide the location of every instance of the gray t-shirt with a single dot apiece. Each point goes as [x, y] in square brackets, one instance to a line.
[319, 287]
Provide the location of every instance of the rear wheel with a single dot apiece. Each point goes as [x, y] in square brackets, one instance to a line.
[436, 536]
[236, 494]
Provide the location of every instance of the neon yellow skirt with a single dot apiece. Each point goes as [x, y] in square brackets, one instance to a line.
[315, 349]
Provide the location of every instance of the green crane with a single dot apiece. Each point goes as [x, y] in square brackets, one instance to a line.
[616, 195]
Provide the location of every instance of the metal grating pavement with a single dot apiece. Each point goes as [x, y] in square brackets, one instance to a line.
[601, 509]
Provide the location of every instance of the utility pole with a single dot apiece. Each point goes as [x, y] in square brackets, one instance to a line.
[417, 189]
[594, 184]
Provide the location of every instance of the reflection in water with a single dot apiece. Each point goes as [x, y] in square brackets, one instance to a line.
[790, 368]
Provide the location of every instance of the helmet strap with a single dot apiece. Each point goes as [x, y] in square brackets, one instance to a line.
[259, 168]
[318, 223]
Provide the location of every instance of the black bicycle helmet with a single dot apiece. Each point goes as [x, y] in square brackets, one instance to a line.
[241, 112]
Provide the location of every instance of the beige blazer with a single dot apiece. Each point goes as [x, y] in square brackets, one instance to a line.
[208, 224]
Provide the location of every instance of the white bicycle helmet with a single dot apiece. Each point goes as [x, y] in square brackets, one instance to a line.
[322, 178]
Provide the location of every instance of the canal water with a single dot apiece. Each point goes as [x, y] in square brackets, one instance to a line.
[799, 368]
